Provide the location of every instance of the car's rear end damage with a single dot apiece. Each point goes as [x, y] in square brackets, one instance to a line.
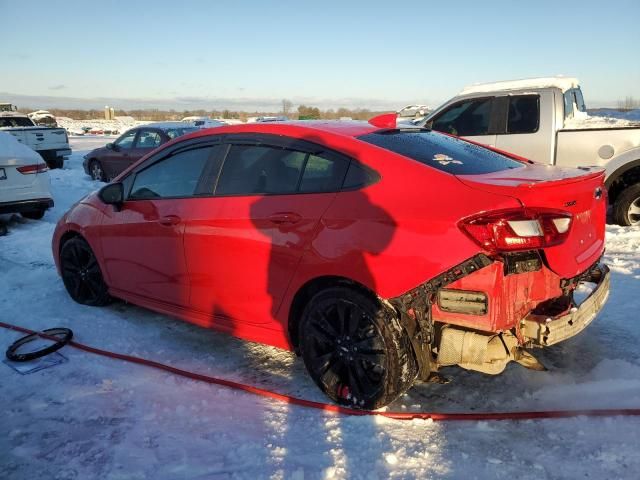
[518, 293]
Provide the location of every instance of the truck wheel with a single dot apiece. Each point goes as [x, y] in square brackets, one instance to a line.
[34, 214]
[81, 273]
[626, 209]
[52, 160]
[355, 349]
[96, 171]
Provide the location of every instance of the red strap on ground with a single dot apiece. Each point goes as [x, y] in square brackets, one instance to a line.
[336, 408]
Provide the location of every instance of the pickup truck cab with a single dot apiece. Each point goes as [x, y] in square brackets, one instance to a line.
[542, 119]
[51, 143]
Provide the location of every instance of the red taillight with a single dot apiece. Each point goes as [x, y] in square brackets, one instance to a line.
[35, 168]
[522, 229]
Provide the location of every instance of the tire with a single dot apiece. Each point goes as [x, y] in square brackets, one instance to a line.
[52, 160]
[34, 214]
[81, 273]
[355, 349]
[96, 171]
[626, 209]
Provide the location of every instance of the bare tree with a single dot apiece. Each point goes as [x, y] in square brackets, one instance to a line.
[286, 107]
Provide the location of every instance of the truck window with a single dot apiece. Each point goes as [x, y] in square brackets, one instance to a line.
[524, 114]
[465, 119]
[573, 99]
[15, 122]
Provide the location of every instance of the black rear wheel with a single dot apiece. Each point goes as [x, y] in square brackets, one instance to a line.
[355, 349]
[33, 214]
[626, 209]
[81, 273]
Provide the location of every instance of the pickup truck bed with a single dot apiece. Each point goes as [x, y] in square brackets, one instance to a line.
[51, 143]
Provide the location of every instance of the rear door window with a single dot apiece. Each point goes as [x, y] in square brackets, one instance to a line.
[257, 169]
[466, 119]
[262, 169]
[449, 154]
[148, 139]
[524, 114]
[323, 173]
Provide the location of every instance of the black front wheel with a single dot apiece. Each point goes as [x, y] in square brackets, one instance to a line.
[355, 349]
[81, 273]
[96, 171]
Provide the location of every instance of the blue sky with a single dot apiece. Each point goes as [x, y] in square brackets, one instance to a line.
[330, 53]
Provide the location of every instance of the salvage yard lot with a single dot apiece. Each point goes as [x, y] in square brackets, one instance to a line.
[94, 417]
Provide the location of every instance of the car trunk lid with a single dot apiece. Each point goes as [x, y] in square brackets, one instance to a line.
[578, 191]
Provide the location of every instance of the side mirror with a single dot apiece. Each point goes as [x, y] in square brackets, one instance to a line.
[110, 146]
[112, 194]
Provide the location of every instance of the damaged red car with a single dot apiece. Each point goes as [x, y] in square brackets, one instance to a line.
[378, 254]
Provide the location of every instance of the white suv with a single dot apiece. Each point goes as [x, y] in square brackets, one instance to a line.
[24, 180]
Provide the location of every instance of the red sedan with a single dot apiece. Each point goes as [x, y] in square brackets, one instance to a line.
[379, 254]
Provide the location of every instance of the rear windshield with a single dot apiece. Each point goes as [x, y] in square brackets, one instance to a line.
[445, 153]
[15, 122]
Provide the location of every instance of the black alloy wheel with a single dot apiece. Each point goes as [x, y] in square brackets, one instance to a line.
[355, 349]
[81, 273]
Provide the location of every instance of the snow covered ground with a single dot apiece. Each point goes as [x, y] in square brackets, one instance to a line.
[96, 418]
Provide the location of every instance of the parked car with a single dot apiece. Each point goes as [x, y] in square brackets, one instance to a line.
[51, 143]
[412, 113]
[109, 161]
[202, 122]
[536, 118]
[43, 118]
[24, 180]
[379, 254]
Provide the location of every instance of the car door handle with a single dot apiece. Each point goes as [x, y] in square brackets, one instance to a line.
[285, 218]
[170, 220]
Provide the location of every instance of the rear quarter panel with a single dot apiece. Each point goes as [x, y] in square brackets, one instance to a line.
[577, 148]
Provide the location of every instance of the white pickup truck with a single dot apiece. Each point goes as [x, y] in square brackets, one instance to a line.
[51, 143]
[545, 120]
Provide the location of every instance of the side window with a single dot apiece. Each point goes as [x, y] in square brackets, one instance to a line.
[253, 169]
[580, 100]
[569, 100]
[524, 114]
[359, 176]
[466, 118]
[148, 139]
[323, 174]
[175, 176]
[126, 140]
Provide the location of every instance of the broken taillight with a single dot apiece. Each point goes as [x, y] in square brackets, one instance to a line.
[35, 168]
[521, 229]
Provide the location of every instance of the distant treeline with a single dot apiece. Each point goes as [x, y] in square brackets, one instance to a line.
[303, 111]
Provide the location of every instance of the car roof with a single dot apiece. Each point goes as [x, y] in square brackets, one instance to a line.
[563, 83]
[165, 125]
[294, 128]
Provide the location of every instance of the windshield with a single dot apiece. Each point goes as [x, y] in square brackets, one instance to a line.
[15, 122]
[449, 154]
